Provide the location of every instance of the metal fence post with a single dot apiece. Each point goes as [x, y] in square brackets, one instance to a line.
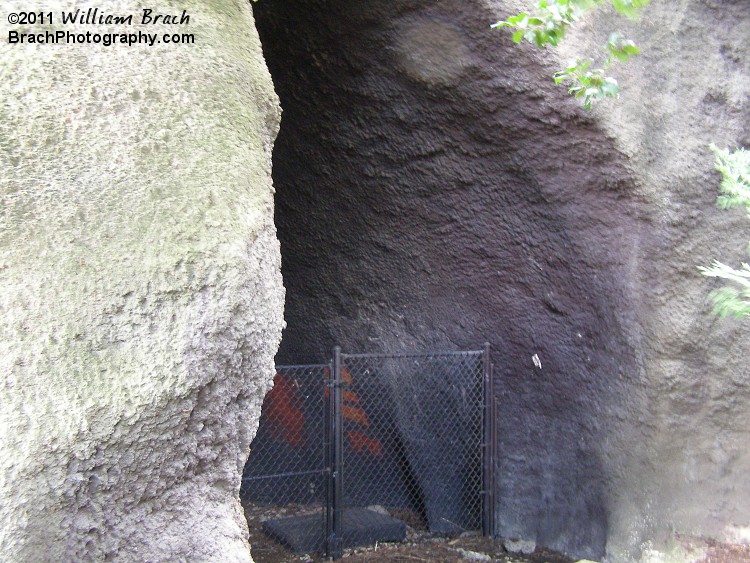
[328, 438]
[488, 449]
[493, 450]
[335, 545]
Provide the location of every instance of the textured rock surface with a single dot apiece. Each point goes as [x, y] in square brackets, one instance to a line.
[691, 88]
[141, 298]
[435, 189]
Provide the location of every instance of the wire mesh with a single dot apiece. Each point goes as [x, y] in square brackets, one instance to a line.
[286, 472]
[402, 435]
[413, 437]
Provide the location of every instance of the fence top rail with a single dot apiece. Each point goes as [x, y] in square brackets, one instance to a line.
[464, 353]
[301, 366]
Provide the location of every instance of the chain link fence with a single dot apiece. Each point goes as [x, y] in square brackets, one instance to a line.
[347, 453]
[287, 472]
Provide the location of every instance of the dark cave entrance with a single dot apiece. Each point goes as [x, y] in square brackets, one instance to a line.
[433, 194]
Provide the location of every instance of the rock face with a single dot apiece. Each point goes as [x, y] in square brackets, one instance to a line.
[690, 88]
[436, 190]
[141, 297]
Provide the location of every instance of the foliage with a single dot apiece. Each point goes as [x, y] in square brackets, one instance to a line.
[547, 26]
[732, 300]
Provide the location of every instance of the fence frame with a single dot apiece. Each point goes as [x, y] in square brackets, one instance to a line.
[333, 444]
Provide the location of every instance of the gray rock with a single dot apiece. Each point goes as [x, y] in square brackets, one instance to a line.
[526, 547]
[140, 300]
[473, 555]
[379, 509]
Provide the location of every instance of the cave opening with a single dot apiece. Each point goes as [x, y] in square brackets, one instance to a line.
[433, 193]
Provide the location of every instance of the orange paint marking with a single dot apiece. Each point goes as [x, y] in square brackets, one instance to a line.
[284, 411]
[355, 414]
[351, 397]
[359, 440]
[362, 443]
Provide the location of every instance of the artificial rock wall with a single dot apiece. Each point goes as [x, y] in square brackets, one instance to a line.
[436, 190]
[689, 89]
[141, 297]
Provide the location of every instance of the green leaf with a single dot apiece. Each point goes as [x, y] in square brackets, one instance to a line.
[548, 24]
[631, 48]
[620, 48]
[732, 300]
[610, 87]
[629, 8]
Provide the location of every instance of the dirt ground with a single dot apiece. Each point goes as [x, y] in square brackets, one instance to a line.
[726, 553]
[465, 548]
[420, 545]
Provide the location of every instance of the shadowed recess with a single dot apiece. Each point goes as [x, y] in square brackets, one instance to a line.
[428, 199]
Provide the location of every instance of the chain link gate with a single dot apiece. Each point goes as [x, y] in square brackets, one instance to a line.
[288, 471]
[346, 447]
